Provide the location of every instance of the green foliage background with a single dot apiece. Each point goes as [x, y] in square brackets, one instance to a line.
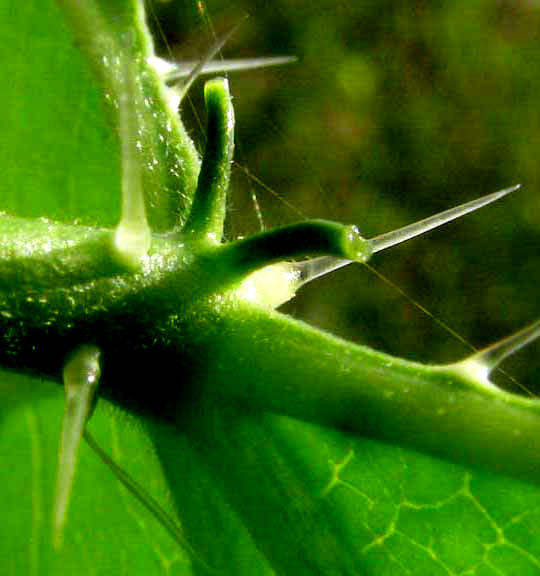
[391, 114]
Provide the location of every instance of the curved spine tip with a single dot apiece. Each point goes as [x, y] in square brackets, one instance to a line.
[489, 358]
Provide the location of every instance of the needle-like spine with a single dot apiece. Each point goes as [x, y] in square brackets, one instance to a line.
[483, 363]
[172, 72]
[81, 376]
[316, 267]
[133, 236]
[181, 89]
[400, 235]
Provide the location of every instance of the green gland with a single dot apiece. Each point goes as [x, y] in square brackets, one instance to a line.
[208, 209]
[356, 248]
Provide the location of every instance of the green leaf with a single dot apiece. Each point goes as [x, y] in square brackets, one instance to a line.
[60, 159]
[108, 531]
[254, 494]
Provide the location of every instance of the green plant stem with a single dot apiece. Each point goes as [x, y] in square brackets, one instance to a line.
[245, 355]
[182, 319]
[267, 361]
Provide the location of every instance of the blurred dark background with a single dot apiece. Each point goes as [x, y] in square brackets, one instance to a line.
[394, 111]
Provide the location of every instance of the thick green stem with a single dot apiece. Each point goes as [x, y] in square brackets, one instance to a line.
[268, 361]
[180, 316]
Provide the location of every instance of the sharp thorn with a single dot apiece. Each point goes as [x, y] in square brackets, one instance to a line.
[400, 235]
[81, 376]
[313, 268]
[172, 72]
[490, 358]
